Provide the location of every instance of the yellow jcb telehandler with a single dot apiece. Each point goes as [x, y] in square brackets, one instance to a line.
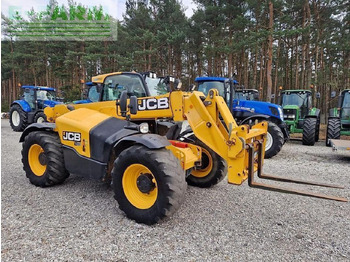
[148, 170]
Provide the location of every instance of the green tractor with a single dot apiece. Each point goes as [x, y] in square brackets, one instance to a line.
[339, 118]
[299, 114]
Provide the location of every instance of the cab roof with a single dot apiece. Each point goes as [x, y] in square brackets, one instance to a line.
[247, 90]
[99, 79]
[213, 78]
[40, 88]
[297, 90]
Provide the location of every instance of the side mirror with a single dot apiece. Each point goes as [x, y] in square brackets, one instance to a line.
[178, 85]
[122, 103]
[133, 105]
[192, 87]
[318, 95]
[333, 94]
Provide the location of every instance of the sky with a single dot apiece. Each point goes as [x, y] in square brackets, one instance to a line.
[115, 8]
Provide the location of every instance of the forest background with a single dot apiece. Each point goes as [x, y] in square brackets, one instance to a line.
[267, 45]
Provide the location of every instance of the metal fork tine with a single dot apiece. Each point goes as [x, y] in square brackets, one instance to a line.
[297, 192]
[288, 180]
[252, 183]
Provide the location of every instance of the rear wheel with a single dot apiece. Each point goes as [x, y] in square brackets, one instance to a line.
[212, 170]
[18, 118]
[317, 130]
[275, 140]
[42, 159]
[333, 130]
[40, 117]
[309, 131]
[148, 184]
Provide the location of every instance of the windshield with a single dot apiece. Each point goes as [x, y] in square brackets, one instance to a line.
[206, 86]
[114, 85]
[45, 95]
[346, 101]
[156, 86]
[245, 95]
[298, 99]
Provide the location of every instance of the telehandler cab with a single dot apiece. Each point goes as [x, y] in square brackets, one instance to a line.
[108, 141]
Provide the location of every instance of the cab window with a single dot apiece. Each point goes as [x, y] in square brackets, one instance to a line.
[116, 84]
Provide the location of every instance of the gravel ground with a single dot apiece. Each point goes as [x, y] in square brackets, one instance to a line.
[80, 220]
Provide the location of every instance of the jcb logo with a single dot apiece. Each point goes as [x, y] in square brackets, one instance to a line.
[71, 136]
[153, 104]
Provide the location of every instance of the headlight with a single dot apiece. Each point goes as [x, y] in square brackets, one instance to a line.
[289, 116]
[144, 128]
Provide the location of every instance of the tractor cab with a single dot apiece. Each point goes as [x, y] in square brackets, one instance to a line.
[109, 87]
[160, 85]
[223, 85]
[39, 97]
[296, 103]
[339, 118]
[247, 94]
[344, 105]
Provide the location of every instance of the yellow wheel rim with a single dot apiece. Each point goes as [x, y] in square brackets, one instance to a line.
[133, 178]
[207, 161]
[34, 154]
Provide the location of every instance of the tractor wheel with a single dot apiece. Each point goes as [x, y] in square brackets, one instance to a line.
[42, 159]
[275, 140]
[333, 130]
[309, 131]
[18, 118]
[317, 130]
[212, 170]
[148, 184]
[40, 117]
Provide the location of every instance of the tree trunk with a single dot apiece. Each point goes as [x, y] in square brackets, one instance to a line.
[269, 53]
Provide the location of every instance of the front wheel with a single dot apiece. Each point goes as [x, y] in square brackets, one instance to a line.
[275, 140]
[333, 130]
[212, 170]
[40, 117]
[148, 184]
[309, 131]
[42, 159]
[18, 118]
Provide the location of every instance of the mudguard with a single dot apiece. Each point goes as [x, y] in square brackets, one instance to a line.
[314, 112]
[37, 127]
[259, 117]
[151, 141]
[334, 112]
[23, 104]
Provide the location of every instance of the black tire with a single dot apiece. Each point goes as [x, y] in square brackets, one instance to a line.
[166, 177]
[217, 172]
[40, 117]
[48, 169]
[309, 131]
[333, 130]
[276, 135]
[318, 130]
[18, 118]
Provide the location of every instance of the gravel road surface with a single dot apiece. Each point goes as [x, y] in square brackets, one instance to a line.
[80, 220]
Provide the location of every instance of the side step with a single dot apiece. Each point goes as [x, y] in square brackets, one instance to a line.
[259, 161]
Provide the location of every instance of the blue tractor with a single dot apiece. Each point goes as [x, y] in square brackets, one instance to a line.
[30, 108]
[246, 110]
